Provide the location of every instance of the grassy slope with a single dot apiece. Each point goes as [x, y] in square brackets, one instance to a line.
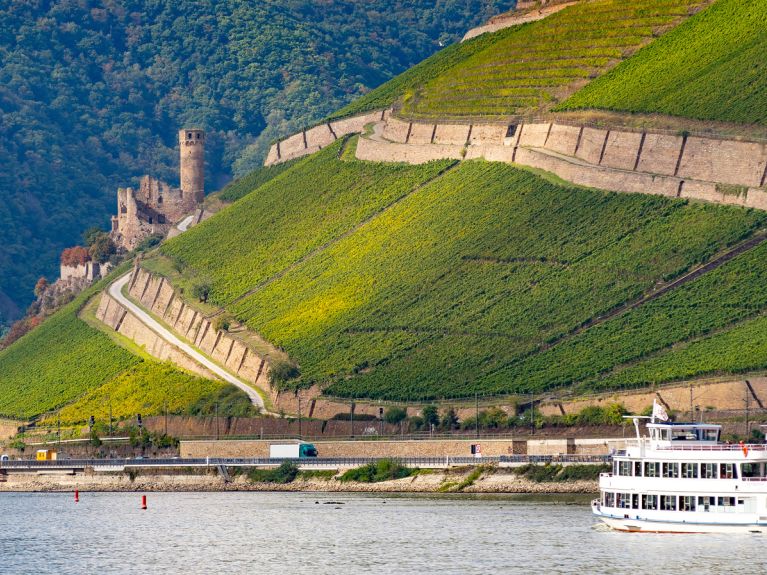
[147, 388]
[258, 177]
[66, 363]
[314, 202]
[713, 67]
[447, 290]
[407, 82]
[531, 67]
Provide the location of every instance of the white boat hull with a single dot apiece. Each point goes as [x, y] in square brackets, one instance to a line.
[658, 526]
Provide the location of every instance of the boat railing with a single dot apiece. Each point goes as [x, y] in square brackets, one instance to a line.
[719, 447]
[754, 478]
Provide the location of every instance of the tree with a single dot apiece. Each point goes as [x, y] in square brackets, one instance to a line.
[91, 235]
[41, 286]
[395, 415]
[201, 290]
[102, 248]
[75, 256]
[430, 416]
[450, 419]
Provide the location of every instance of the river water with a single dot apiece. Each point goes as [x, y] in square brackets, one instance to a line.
[297, 533]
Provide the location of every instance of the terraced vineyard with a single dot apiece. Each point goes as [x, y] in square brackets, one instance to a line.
[147, 388]
[406, 83]
[533, 66]
[67, 364]
[258, 177]
[458, 281]
[56, 363]
[313, 203]
[713, 67]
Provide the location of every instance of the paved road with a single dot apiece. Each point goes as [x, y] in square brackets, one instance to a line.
[115, 290]
[184, 225]
[306, 463]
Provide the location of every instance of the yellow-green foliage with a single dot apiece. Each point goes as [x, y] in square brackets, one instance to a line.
[713, 67]
[148, 388]
[534, 65]
[312, 203]
[58, 362]
[464, 277]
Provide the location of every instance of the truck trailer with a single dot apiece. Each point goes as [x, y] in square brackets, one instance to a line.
[292, 450]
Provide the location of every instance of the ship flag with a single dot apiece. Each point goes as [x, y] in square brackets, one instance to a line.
[658, 411]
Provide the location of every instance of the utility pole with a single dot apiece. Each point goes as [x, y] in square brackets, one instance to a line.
[58, 430]
[300, 434]
[748, 413]
[692, 413]
[351, 416]
[110, 417]
[165, 411]
[217, 432]
[476, 420]
[532, 415]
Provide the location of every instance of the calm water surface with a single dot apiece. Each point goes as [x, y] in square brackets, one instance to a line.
[316, 534]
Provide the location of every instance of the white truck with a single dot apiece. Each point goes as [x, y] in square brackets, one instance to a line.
[292, 450]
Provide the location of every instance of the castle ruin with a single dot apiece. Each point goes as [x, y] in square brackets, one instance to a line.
[155, 207]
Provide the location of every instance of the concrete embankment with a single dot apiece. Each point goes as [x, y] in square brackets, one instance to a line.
[492, 481]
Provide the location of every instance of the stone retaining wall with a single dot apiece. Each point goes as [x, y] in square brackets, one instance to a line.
[413, 448]
[725, 395]
[313, 140]
[719, 171]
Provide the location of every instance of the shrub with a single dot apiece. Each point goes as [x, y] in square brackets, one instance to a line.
[383, 470]
[285, 473]
[395, 415]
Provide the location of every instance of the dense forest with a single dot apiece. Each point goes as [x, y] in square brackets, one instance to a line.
[92, 92]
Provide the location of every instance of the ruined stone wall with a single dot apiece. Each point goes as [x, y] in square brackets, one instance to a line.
[153, 208]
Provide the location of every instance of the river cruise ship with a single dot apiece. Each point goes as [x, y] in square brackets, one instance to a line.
[683, 479]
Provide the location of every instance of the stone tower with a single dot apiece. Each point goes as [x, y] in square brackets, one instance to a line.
[192, 148]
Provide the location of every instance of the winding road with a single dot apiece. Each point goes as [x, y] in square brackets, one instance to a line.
[115, 290]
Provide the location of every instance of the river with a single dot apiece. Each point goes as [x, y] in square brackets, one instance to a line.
[297, 533]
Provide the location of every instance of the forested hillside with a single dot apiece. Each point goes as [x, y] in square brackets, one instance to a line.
[91, 94]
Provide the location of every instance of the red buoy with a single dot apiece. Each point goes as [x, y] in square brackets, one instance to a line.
[77, 496]
[143, 502]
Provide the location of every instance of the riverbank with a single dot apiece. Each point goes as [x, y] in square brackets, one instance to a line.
[450, 481]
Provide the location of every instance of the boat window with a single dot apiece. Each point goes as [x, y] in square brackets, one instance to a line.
[705, 502]
[624, 500]
[635, 501]
[649, 501]
[690, 470]
[727, 502]
[670, 469]
[615, 467]
[624, 468]
[668, 502]
[709, 434]
[708, 470]
[652, 469]
[665, 434]
[638, 468]
[684, 435]
[727, 471]
[751, 470]
[609, 499]
[687, 503]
